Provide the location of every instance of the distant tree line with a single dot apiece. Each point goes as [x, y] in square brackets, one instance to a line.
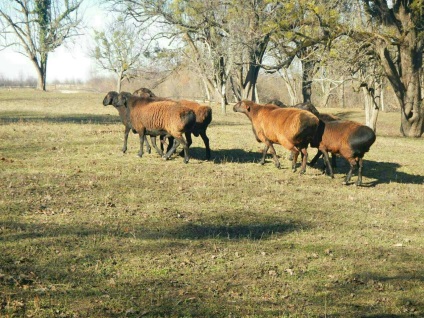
[365, 44]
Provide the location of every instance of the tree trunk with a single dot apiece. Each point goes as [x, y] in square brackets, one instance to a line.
[224, 101]
[41, 69]
[119, 82]
[406, 85]
[307, 75]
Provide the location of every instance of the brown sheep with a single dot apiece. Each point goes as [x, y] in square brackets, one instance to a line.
[292, 128]
[349, 139]
[149, 116]
[145, 92]
[325, 118]
[110, 99]
[203, 118]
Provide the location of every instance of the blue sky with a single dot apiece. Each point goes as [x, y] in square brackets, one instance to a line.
[65, 63]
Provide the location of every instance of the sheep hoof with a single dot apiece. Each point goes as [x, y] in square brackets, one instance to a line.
[140, 155]
[277, 165]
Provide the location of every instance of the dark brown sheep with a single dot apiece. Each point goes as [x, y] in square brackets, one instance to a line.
[203, 118]
[149, 116]
[110, 99]
[292, 128]
[325, 118]
[349, 139]
[144, 92]
[304, 106]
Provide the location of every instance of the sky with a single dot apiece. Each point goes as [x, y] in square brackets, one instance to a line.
[68, 62]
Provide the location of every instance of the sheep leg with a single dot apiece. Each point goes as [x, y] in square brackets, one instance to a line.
[148, 148]
[349, 174]
[206, 142]
[295, 155]
[170, 142]
[127, 131]
[153, 140]
[189, 142]
[262, 162]
[333, 160]
[304, 152]
[327, 163]
[315, 159]
[274, 156]
[141, 134]
[177, 142]
[360, 164]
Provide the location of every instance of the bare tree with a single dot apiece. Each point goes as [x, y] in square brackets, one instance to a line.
[38, 27]
[119, 49]
[393, 30]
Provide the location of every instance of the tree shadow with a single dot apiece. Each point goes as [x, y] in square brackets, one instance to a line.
[38, 117]
[208, 229]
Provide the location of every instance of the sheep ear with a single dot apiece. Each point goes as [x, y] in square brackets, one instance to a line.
[247, 106]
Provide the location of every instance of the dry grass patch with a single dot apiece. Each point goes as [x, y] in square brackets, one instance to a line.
[88, 231]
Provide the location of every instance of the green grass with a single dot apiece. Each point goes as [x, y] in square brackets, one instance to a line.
[86, 231]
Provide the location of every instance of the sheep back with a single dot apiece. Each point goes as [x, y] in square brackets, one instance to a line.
[289, 127]
[144, 92]
[203, 115]
[161, 116]
[347, 138]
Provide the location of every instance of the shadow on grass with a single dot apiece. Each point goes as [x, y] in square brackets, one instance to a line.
[35, 117]
[254, 231]
[383, 172]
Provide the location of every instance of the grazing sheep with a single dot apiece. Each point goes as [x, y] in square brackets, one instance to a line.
[292, 128]
[203, 119]
[149, 116]
[110, 99]
[349, 139]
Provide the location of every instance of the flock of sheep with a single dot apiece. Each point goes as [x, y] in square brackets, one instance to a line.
[295, 128]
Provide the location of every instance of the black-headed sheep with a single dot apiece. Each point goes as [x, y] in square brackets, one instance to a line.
[152, 117]
[349, 139]
[110, 99]
[292, 128]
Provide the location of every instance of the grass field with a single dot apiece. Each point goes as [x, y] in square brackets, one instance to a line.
[86, 231]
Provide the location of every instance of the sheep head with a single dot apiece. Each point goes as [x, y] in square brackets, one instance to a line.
[242, 107]
[122, 98]
[110, 98]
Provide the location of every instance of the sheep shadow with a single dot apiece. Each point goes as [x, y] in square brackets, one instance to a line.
[382, 172]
